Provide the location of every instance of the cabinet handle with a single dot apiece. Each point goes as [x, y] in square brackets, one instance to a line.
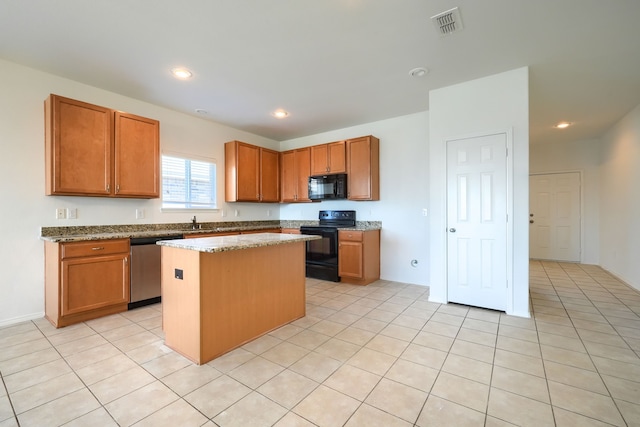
[117, 188]
[98, 248]
[108, 188]
[126, 259]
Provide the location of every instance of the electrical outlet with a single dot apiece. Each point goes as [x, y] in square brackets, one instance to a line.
[61, 213]
[223, 213]
[237, 212]
[268, 212]
[72, 213]
[425, 212]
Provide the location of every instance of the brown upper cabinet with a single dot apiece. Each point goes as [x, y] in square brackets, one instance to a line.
[95, 151]
[328, 158]
[295, 169]
[363, 168]
[251, 173]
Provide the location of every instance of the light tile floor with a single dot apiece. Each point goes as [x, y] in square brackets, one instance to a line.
[380, 355]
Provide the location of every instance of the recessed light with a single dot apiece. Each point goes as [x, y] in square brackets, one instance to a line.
[181, 73]
[418, 72]
[563, 125]
[280, 114]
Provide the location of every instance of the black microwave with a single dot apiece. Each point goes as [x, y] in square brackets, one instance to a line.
[324, 187]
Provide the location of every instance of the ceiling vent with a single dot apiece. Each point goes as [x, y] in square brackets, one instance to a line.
[448, 22]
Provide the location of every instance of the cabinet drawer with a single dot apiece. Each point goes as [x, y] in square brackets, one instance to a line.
[94, 248]
[350, 236]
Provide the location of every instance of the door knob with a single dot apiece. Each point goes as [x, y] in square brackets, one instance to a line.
[453, 230]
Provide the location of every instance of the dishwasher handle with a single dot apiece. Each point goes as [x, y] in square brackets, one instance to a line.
[137, 241]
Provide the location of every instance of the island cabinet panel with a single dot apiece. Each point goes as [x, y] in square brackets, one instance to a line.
[295, 171]
[85, 280]
[252, 173]
[328, 158]
[95, 151]
[359, 256]
[363, 168]
[226, 299]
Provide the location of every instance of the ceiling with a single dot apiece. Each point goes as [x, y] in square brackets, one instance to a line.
[335, 63]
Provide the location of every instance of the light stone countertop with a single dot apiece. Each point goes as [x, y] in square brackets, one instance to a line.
[128, 231]
[237, 242]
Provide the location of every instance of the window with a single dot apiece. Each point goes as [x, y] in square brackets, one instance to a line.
[188, 183]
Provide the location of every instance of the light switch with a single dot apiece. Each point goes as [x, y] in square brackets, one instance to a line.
[72, 213]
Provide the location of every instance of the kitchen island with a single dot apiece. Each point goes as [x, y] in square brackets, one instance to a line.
[221, 292]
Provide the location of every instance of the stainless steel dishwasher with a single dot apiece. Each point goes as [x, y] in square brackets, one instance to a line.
[145, 270]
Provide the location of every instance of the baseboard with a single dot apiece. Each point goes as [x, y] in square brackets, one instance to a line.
[20, 319]
[525, 314]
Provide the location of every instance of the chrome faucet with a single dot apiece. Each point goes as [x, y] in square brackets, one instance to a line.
[194, 223]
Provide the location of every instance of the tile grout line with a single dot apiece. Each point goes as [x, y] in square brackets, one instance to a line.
[13, 409]
[582, 341]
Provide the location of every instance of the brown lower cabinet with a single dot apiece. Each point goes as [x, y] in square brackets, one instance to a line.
[197, 235]
[85, 280]
[290, 231]
[359, 256]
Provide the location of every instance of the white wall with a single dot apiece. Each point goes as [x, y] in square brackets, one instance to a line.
[403, 193]
[496, 103]
[582, 156]
[620, 199]
[25, 208]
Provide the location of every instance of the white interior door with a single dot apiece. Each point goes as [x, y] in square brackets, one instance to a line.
[477, 221]
[554, 219]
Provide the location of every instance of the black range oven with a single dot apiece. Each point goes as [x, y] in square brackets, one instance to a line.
[322, 255]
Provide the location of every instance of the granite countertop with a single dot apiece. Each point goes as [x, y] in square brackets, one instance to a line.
[79, 234]
[104, 232]
[233, 243]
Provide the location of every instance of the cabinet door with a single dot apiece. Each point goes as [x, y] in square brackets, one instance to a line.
[289, 176]
[337, 157]
[77, 147]
[94, 282]
[247, 172]
[363, 169]
[350, 260]
[303, 170]
[319, 159]
[137, 156]
[269, 175]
